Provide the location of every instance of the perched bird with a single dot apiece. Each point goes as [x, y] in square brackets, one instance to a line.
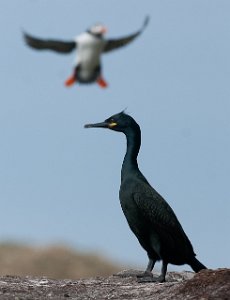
[89, 46]
[149, 216]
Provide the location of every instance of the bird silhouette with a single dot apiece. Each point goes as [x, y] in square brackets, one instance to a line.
[89, 47]
[149, 216]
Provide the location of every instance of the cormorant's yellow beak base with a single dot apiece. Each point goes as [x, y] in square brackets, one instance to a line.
[113, 124]
[101, 125]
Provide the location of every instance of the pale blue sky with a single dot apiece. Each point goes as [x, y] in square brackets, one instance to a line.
[60, 182]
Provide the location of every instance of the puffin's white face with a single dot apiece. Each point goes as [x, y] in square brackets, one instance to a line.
[98, 29]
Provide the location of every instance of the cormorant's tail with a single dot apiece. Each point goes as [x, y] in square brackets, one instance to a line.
[196, 265]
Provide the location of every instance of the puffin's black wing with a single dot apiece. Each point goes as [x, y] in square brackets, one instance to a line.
[112, 44]
[41, 44]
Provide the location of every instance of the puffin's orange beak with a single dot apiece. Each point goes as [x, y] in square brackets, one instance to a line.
[104, 30]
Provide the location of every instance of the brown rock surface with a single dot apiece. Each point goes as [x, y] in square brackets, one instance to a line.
[208, 284]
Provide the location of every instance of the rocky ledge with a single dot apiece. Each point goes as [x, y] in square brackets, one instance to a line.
[207, 284]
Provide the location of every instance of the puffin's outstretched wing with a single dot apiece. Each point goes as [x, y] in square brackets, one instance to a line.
[112, 44]
[41, 44]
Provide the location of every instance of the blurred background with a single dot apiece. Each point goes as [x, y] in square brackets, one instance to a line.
[59, 183]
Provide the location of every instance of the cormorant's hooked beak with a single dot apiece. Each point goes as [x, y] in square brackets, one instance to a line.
[101, 125]
[97, 125]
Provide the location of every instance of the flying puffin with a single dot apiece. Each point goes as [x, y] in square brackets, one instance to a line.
[89, 47]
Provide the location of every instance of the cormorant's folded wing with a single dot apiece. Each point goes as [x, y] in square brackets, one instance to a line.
[42, 44]
[113, 44]
[160, 216]
[155, 209]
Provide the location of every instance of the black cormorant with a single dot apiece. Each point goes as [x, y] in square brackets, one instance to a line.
[149, 216]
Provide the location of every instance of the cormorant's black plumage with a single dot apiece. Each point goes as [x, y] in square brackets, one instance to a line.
[149, 216]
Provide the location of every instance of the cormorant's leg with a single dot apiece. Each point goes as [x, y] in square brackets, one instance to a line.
[147, 275]
[161, 278]
[150, 265]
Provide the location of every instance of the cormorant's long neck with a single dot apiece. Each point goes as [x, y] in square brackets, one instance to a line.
[133, 137]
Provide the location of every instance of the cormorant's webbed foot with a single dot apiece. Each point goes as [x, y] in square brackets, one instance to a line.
[129, 273]
[148, 277]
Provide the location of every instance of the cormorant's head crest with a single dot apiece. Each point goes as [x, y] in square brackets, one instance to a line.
[118, 122]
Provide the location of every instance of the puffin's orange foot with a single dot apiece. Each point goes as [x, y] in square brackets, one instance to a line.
[102, 82]
[70, 81]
